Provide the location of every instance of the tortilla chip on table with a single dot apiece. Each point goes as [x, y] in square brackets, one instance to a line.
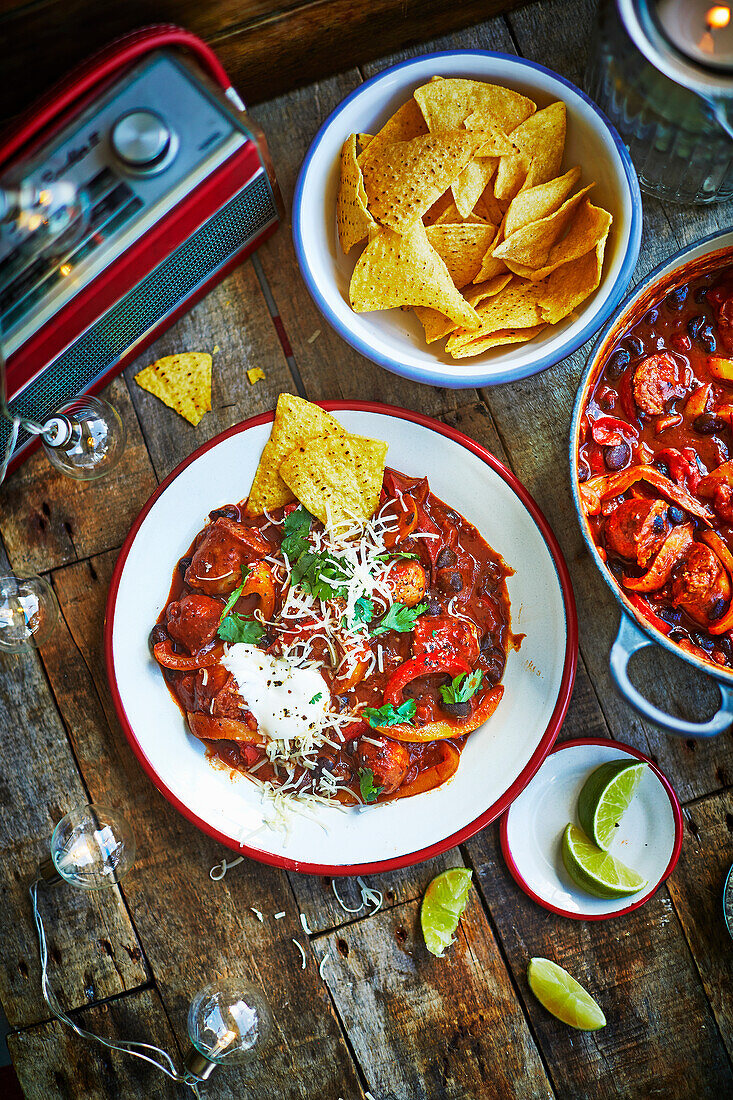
[182, 382]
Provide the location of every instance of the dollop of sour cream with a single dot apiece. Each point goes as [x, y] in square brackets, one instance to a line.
[288, 701]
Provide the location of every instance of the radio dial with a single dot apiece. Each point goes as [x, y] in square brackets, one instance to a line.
[142, 141]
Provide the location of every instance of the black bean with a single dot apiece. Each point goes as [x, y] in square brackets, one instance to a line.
[158, 634]
[433, 607]
[446, 557]
[616, 458]
[677, 635]
[617, 363]
[707, 424]
[650, 318]
[727, 648]
[707, 339]
[184, 564]
[695, 324]
[658, 525]
[676, 298]
[662, 466]
[703, 642]
[635, 345]
[608, 402]
[227, 512]
[669, 614]
[458, 710]
[456, 582]
[675, 515]
[583, 472]
[717, 609]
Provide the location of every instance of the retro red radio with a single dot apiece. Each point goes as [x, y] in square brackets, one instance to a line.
[165, 185]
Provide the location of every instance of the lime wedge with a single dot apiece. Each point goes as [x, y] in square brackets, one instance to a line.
[442, 906]
[594, 870]
[605, 797]
[563, 996]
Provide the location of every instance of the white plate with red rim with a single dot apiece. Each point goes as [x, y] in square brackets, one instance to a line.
[498, 760]
[649, 837]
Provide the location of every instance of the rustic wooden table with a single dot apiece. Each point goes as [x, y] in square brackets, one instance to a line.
[388, 1018]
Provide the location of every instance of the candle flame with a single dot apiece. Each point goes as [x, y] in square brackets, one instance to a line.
[718, 17]
[65, 269]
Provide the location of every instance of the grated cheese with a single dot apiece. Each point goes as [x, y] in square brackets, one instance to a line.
[279, 916]
[302, 952]
[324, 960]
[257, 913]
[304, 924]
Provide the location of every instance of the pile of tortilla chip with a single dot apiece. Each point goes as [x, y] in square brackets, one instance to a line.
[468, 218]
[311, 457]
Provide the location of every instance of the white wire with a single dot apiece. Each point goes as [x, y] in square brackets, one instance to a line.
[125, 1046]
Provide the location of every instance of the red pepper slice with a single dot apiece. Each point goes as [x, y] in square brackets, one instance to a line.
[164, 655]
[592, 492]
[448, 727]
[609, 431]
[674, 546]
[647, 612]
[434, 776]
[682, 466]
[428, 665]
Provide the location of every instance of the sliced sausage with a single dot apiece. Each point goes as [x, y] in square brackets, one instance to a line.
[194, 620]
[637, 529]
[407, 582]
[216, 566]
[699, 584]
[389, 762]
[657, 379]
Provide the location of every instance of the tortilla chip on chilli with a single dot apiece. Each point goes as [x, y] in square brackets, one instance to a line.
[337, 478]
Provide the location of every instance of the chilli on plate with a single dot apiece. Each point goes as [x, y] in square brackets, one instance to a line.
[338, 634]
[655, 465]
[466, 216]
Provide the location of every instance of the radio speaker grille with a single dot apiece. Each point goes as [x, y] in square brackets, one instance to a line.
[177, 278]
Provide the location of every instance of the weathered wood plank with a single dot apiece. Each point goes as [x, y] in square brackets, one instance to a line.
[452, 1025]
[268, 48]
[93, 948]
[196, 928]
[696, 888]
[234, 318]
[556, 34]
[52, 1063]
[48, 519]
[660, 1039]
[328, 366]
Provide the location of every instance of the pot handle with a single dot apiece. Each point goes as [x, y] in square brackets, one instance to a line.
[629, 641]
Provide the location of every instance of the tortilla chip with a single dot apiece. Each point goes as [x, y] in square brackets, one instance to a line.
[446, 104]
[396, 270]
[337, 477]
[404, 125]
[362, 140]
[542, 139]
[461, 248]
[534, 203]
[515, 306]
[590, 226]
[497, 142]
[436, 325]
[531, 244]
[570, 285]
[405, 179]
[451, 216]
[481, 291]
[495, 340]
[354, 220]
[510, 175]
[296, 421]
[471, 183]
[490, 267]
[182, 382]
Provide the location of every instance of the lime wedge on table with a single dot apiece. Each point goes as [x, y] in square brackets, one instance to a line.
[563, 996]
[442, 906]
[594, 870]
[606, 796]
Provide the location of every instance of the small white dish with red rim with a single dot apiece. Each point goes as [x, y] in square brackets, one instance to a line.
[649, 837]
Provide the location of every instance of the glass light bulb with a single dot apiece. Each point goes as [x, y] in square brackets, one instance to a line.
[229, 1022]
[93, 847]
[85, 439]
[29, 612]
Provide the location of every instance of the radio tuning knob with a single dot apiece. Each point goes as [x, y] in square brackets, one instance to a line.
[141, 140]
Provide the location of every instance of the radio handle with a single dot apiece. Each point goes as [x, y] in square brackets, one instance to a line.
[100, 67]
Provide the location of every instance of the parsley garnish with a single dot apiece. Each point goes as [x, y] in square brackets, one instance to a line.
[366, 784]
[295, 533]
[389, 715]
[316, 698]
[235, 595]
[400, 618]
[236, 628]
[462, 688]
[363, 611]
[393, 555]
[319, 574]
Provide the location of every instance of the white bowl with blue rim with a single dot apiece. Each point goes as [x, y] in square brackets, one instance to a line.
[635, 631]
[394, 338]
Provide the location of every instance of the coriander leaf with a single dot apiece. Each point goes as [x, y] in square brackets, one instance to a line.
[235, 595]
[236, 628]
[393, 555]
[366, 784]
[295, 532]
[363, 611]
[462, 688]
[400, 618]
[319, 574]
[389, 715]
[316, 698]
